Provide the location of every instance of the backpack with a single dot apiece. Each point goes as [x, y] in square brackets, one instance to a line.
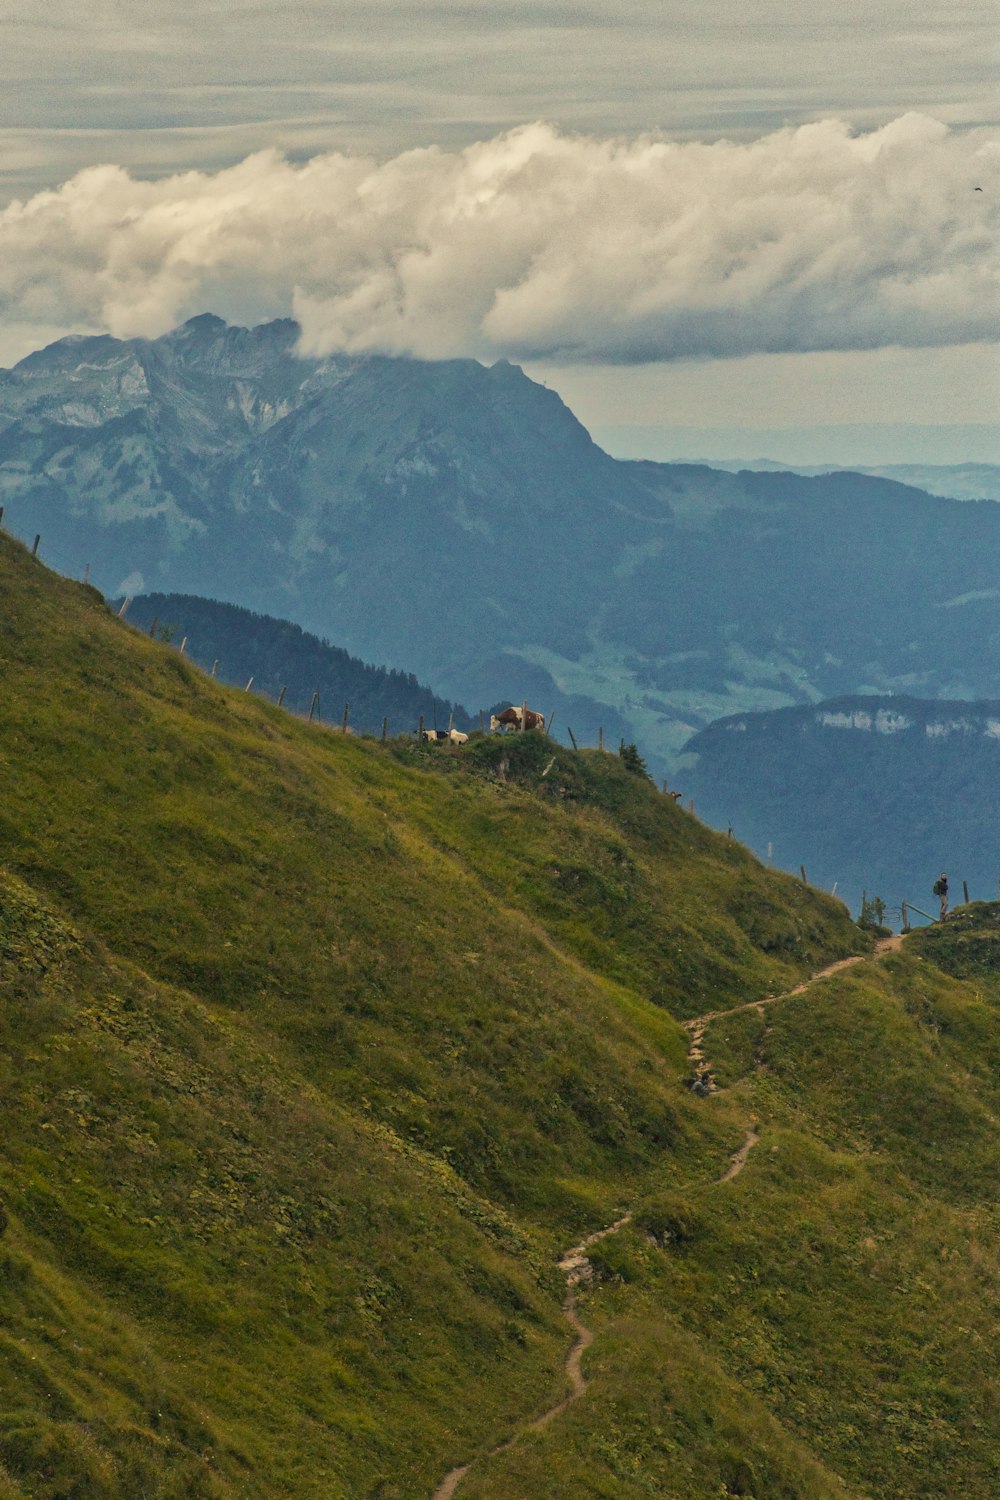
[940, 888]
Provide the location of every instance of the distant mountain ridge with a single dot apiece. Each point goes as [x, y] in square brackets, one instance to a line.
[950, 481]
[875, 793]
[459, 523]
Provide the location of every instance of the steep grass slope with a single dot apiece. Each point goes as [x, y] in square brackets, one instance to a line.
[317, 1051]
[841, 1292]
[290, 1038]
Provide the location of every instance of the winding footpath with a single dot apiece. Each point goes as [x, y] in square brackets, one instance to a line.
[696, 1027]
[575, 1264]
[576, 1268]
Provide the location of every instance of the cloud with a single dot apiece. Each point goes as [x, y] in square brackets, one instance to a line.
[539, 244]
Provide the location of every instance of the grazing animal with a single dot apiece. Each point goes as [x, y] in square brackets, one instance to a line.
[510, 719]
[445, 736]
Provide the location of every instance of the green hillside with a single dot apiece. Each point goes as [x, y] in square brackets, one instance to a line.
[318, 1052]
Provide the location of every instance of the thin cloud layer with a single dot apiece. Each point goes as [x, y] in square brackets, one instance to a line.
[538, 244]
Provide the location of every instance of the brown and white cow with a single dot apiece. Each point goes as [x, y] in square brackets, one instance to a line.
[510, 719]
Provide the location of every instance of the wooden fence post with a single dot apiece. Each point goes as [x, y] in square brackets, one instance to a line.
[572, 739]
[524, 715]
[248, 686]
[385, 729]
[34, 550]
[125, 604]
[548, 727]
[600, 737]
[312, 706]
[420, 728]
[343, 727]
[1, 515]
[281, 696]
[86, 566]
[215, 667]
[803, 869]
[152, 628]
[691, 807]
[906, 917]
[965, 891]
[183, 646]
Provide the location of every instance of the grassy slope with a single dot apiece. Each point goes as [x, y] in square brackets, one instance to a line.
[846, 1284]
[316, 1050]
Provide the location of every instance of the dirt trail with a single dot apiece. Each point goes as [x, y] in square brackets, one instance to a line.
[576, 1268]
[574, 1263]
[696, 1027]
[739, 1159]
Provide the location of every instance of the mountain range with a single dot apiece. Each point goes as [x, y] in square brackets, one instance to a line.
[458, 522]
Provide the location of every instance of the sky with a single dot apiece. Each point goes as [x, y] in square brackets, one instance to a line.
[726, 225]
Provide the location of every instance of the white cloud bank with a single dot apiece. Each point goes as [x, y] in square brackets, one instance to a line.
[538, 244]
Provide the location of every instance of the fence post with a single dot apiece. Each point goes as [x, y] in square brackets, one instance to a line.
[343, 727]
[152, 628]
[420, 728]
[803, 869]
[482, 721]
[524, 715]
[86, 566]
[385, 729]
[281, 696]
[906, 917]
[965, 891]
[600, 737]
[248, 686]
[691, 807]
[1, 515]
[125, 604]
[215, 667]
[572, 739]
[34, 550]
[183, 645]
[312, 706]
